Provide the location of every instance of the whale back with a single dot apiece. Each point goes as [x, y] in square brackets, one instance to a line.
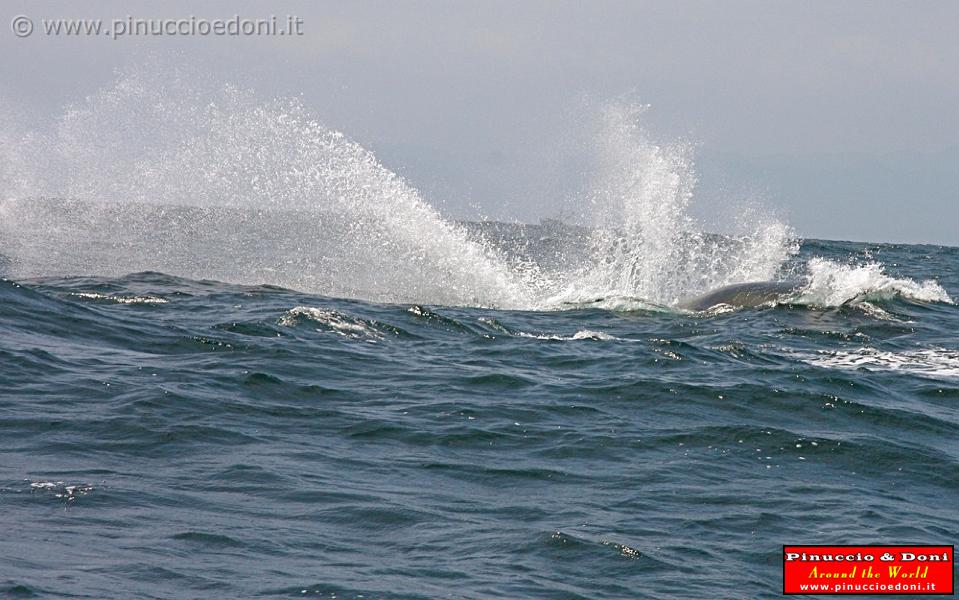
[743, 295]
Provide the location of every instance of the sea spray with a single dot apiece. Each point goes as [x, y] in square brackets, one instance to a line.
[165, 171]
[644, 242]
[157, 176]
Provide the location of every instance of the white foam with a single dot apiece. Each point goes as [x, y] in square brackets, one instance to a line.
[45, 485]
[62, 490]
[120, 299]
[584, 334]
[589, 334]
[834, 284]
[929, 362]
[332, 320]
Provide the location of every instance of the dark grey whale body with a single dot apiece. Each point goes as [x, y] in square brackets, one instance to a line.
[744, 295]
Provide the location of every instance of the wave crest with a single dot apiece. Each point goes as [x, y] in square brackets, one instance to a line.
[835, 284]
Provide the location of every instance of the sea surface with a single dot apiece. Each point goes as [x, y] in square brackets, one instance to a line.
[241, 357]
[165, 437]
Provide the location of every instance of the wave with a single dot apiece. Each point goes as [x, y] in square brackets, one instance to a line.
[938, 363]
[325, 319]
[834, 284]
[117, 299]
[354, 328]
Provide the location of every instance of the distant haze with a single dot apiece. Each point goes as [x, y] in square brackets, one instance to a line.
[842, 117]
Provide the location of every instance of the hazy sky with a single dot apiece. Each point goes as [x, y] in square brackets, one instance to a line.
[844, 116]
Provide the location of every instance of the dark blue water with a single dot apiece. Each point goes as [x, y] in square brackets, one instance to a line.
[171, 438]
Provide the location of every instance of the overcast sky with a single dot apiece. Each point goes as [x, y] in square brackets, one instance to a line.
[844, 116]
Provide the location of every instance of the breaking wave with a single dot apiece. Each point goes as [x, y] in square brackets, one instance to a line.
[834, 284]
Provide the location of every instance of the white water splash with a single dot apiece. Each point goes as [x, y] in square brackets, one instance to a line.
[161, 171]
[645, 243]
[834, 284]
[251, 169]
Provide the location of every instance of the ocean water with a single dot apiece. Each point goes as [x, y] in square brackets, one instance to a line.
[239, 357]
[167, 438]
